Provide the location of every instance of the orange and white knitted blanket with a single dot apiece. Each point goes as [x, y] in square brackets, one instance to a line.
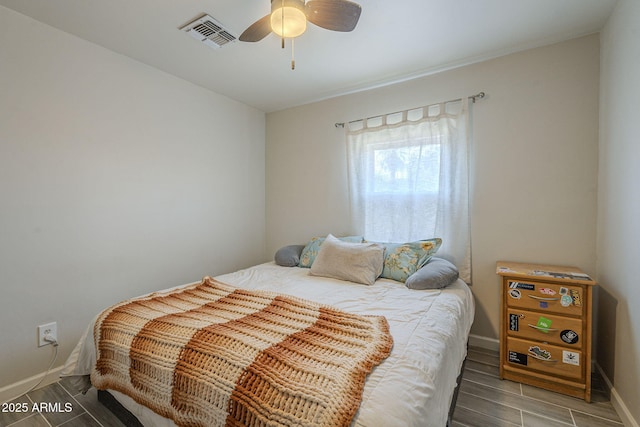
[214, 355]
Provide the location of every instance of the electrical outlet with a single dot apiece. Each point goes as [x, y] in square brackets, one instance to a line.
[51, 330]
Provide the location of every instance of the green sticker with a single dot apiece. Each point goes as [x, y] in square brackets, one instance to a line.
[544, 324]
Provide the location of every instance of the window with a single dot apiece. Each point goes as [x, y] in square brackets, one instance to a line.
[393, 163]
[409, 180]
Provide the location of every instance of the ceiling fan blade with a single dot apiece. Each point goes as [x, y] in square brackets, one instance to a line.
[257, 31]
[335, 15]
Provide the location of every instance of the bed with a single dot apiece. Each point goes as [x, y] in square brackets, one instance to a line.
[412, 386]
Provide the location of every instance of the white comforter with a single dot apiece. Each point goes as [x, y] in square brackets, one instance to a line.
[412, 387]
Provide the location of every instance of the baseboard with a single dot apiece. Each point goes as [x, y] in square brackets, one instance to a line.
[617, 402]
[622, 410]
[484, 342]
[10, 392]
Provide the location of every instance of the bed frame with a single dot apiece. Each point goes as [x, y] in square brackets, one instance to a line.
[116, 408]
[455, 392]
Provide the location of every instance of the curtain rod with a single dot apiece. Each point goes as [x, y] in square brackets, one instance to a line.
[473, 98]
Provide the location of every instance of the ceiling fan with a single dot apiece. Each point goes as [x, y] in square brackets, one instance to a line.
[288, 19]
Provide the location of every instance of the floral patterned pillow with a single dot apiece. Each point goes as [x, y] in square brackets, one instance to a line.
[310, 251]
[401, 260]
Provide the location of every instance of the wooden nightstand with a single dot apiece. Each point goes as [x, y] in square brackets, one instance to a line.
[545, 327]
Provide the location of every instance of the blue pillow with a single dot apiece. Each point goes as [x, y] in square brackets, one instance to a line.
[401, 260]
[436, 274]
[288, 256]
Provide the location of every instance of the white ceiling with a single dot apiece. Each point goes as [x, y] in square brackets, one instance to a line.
[393, 41]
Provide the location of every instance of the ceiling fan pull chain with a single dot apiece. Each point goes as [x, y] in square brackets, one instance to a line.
[293, 61]
[282, 9]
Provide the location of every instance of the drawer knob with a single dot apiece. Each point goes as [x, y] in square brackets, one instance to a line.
[539, 328]
[542, 298]
[542, 359]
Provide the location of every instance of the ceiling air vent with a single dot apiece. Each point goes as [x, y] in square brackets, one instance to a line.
[209, 31]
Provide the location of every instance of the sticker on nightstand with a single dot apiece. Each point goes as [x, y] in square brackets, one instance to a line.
[514, 322]
[519, 358]
[566, 300]
[577, 301]
[514, 293]
[570, 358]
[544, 324]
[564, 291]
[569, 336]
[539, 353]
[525, 286]
[547, 291]
[544, 304]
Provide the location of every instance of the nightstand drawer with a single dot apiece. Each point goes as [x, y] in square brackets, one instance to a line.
[549, 297]
[544, 358]
[554, 329]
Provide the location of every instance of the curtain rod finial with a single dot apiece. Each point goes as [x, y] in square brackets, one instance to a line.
[478, 96]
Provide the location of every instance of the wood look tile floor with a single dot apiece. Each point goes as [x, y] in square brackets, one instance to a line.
[484, 401]
[487, 401]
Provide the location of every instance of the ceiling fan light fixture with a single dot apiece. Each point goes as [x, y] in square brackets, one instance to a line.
[288, 18]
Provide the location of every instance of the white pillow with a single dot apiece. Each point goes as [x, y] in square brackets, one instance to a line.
[354, 262]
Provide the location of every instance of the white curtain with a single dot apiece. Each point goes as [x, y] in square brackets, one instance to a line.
[409, 179]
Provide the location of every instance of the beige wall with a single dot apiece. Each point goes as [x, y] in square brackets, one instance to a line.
[115, 179]
[109, 168]
[534, 161]
[619, 209]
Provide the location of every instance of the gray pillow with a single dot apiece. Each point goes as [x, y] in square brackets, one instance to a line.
[437, 273]
[354, 262]
[288, 256]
